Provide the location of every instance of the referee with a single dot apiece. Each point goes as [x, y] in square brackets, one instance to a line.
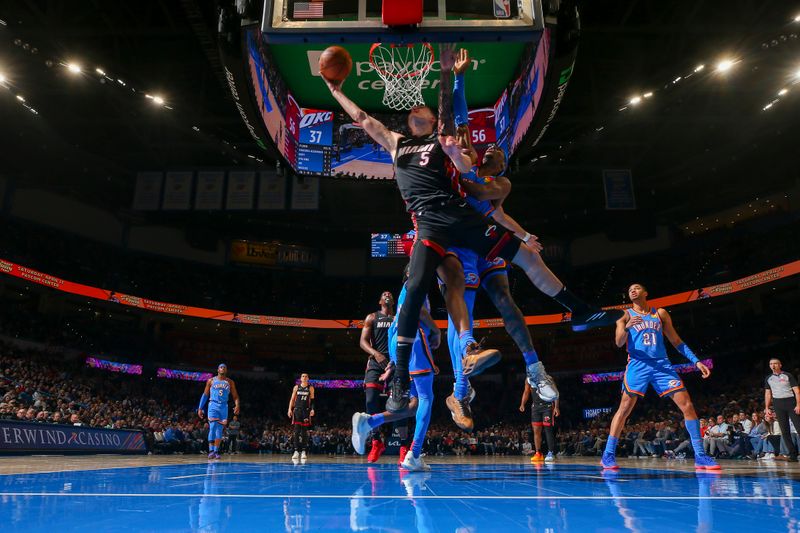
[783, 394]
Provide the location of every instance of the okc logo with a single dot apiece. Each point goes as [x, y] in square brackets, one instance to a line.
[471, 278]
[674, 382]
[315, 117]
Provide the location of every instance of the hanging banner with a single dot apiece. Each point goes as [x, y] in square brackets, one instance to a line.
[271, 191]
[148, 191]
[241, 187]
[618, 188]
[305, 193]
[208, 194]
[177, 191]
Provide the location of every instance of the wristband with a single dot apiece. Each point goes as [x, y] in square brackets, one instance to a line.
[203, 402]
[527, 237]
[687, 352]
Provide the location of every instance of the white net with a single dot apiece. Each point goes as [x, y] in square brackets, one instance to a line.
[403, 69]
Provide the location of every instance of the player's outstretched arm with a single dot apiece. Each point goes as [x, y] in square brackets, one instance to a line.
[504, 219]
[374, 128]
[677, 342]
[496, 189]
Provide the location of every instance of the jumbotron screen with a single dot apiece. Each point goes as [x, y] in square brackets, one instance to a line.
[392, 244]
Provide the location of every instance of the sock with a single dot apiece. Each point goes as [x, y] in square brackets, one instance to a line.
[693, 427]
[571, 302]
[530, 357]
[423, 416]
[375, 420]
[465, 338]
[401, 365]
[611, 445]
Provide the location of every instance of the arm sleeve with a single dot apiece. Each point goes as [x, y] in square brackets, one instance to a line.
[203, 401]
[687, 352]
[460, 101]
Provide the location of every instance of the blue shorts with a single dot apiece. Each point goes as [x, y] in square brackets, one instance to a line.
[421, 361]
[217, 411]
[476, 268]
[658, 373]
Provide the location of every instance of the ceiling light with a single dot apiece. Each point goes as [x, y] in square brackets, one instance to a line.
[158, 100]
[797, 18]
[635, 100]
[783, 91]
[648, 95]
[20, 98]
[100, 71]
[767, 106]
[797, 74]
[725, 65]
[74, 68]
[698, 68]
[2, 78]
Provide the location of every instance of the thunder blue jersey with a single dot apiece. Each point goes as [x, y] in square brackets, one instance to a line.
[484, 207]
[220, 389]
[646, 341]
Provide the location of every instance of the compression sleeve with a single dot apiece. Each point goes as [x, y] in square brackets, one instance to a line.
[203, 401]
[687, 352]
[460, 101]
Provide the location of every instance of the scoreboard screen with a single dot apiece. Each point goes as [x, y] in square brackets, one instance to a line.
[392, 244]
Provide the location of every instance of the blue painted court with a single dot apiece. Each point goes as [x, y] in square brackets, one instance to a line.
[347, 496]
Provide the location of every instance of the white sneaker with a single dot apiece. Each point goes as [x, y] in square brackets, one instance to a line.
[303, 456]
[541, 382]
[416, 484]
[361, 432]
[549, 458]
[296, 456]
[414, 464]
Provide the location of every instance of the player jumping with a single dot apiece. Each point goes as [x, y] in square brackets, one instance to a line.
[301, 411]
[643, 329]
[216, 395]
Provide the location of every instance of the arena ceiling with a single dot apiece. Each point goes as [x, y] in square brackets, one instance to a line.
[698, 144]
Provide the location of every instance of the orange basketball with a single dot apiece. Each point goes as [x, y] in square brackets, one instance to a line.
[335, 64]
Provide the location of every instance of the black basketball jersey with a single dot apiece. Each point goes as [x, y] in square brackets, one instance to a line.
[422, 173]
[380, 339]
[302, 403]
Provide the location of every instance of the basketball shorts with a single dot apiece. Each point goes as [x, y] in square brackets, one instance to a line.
[301, 417]
[372, 376]
[421, 361]
[477, 269]
[454, 225]
[217, 411]
[542, 415]
[639, 374]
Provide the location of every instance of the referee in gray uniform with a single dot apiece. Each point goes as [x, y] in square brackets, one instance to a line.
[783, 394]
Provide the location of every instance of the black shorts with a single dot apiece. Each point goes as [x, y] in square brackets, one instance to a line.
[454, 225]
[542, 416]
[371, 377]
[301, 417]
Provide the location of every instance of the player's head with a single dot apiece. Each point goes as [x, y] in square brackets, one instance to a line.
[421, 120]
[775, 365]
[637, 292]
[222, 369]
[386, 299]
[304, 379]
[494, 160]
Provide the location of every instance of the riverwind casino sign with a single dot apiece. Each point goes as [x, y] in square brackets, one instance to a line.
[28, 437]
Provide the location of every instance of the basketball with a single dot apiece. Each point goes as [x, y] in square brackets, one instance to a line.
[335, 64]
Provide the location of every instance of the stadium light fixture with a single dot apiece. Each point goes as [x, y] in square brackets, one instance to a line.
[648, 94]
[797, 74]
[783, 91]
[20, 98]
[698, 68]
[797, 18]
[100, 71]
[725, 65]
[635, 100]
[3, 78]
[74, 68]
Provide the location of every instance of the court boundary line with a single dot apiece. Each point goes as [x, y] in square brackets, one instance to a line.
[387, 497]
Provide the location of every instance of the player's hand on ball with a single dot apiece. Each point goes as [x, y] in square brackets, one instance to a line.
[703, 369]
[200, 413]
[635, 321]
[462, 61]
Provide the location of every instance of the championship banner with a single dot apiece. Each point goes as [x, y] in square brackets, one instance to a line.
[177, 191]
[40, 278]
[148, 191]
[618, 188]
[305, 193]
[208, 195]
[271, 191]
[241, 186]
[30, 437]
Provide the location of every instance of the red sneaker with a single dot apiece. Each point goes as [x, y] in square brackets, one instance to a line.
[376, 451]
[403, 452]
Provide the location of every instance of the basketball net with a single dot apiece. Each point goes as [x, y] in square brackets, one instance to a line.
[403, 69]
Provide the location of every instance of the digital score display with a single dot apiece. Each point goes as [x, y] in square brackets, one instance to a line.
[392, 244]
[314, 160]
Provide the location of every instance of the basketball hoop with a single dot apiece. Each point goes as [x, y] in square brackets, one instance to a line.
[403, 69]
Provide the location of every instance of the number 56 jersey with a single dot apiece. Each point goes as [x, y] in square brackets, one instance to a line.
[646, 340]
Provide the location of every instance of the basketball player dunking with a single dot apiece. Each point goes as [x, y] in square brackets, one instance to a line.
[216, 395]
[301, 411]
[425, 177]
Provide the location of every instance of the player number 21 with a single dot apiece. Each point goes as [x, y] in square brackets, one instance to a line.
[649, 339]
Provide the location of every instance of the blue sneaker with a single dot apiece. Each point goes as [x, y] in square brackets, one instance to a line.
[705, 462]
[609, 461]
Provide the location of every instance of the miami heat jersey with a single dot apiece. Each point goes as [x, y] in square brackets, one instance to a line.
[646, 340]
[380, 339]
[220, 389]
[422, 173]
[302, 403]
